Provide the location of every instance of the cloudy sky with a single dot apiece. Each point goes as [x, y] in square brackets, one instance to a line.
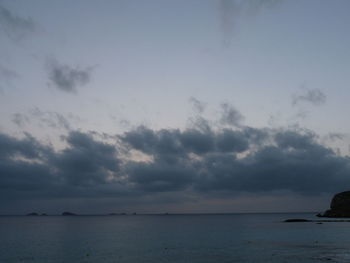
[173, 106]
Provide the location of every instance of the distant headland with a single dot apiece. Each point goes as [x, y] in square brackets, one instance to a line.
[340, 206]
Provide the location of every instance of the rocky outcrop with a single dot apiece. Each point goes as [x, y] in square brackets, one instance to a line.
[340, 206]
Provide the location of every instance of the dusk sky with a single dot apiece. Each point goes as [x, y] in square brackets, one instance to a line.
[179, 106]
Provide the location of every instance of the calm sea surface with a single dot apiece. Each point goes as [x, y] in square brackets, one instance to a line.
[172, 238]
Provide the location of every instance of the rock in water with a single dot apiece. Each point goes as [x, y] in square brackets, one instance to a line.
[340, 206]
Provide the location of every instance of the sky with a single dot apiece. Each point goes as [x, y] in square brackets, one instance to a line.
[186, 106]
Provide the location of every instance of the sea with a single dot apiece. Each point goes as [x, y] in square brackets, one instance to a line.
[203, 238]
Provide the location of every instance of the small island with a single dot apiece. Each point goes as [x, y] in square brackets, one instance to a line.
[68, 214]
[117, 214]
[33, 214]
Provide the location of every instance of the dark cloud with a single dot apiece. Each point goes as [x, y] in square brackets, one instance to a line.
[306, 169]
[14, 26]
[160, 176]
[169, 141]
[67, 78]
[24, 171]
[31, 170]
[295, 140]
[313, 96]
[86, 161]
[256, 137]
[191, 162]
[197, 142]
[232, 141]
[275, 160]
[27, 147]
[180, 143]
[142, 139]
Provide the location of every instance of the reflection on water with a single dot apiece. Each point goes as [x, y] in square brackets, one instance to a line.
[172, 238]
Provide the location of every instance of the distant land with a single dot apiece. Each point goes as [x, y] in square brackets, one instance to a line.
[153, 214]
[339, 208]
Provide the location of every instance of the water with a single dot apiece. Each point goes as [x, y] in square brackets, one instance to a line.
[172, 238]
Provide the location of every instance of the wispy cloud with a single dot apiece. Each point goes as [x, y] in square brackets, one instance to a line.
[14, 26]
[335, 136]
[49, 119]
[67, 78]
[198, 106]
[314, 96]
[231, 12]
[20, 119]
[7, 76]
[230, 115]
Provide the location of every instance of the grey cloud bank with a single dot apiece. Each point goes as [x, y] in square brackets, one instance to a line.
[217, 163]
